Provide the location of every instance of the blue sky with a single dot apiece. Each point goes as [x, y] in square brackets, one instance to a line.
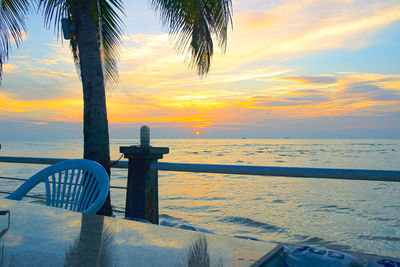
[300, 69]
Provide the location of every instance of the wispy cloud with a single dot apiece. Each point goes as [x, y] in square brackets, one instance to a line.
[350, 95]
[312, 80]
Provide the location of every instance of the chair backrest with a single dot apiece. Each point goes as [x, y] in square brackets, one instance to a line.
[76, 184]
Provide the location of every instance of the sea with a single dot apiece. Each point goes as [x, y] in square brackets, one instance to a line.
[358, 216]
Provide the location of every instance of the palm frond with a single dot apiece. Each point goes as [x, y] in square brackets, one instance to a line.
[193, 23]
[110, 33]
[12, 25]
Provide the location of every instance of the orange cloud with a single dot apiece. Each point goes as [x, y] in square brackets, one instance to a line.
[40, 123]
[312, 80]
[347, 94]
[187, 110]
[352, 95]
[60, 109]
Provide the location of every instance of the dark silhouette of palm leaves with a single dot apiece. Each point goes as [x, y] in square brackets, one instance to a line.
[12, 24]
[193, 22]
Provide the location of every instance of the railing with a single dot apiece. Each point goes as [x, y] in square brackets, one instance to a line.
[143, 167]
[296, 172]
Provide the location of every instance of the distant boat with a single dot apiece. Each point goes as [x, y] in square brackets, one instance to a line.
[243, 137]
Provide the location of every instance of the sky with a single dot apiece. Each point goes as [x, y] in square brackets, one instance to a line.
[298, 69]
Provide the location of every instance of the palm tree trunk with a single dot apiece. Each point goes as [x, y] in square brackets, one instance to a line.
[95, 123]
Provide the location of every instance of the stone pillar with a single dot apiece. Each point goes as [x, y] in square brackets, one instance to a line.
[142, 188]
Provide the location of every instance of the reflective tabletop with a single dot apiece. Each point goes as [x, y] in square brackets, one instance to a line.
[45, 236]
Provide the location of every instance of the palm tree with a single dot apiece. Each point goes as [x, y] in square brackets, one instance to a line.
[96, 32]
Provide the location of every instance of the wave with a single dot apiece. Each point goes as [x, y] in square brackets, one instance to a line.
[335, 208]
[380, 238]
[252, 223]
[168, 217]
[379, 219]
[175, 198]
[278, 201]
[203, 208]
[211, 198]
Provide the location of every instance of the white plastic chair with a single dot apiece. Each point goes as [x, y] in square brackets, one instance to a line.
[76, 184]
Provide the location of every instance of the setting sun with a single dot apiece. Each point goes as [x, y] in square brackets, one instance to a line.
[197, 133]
